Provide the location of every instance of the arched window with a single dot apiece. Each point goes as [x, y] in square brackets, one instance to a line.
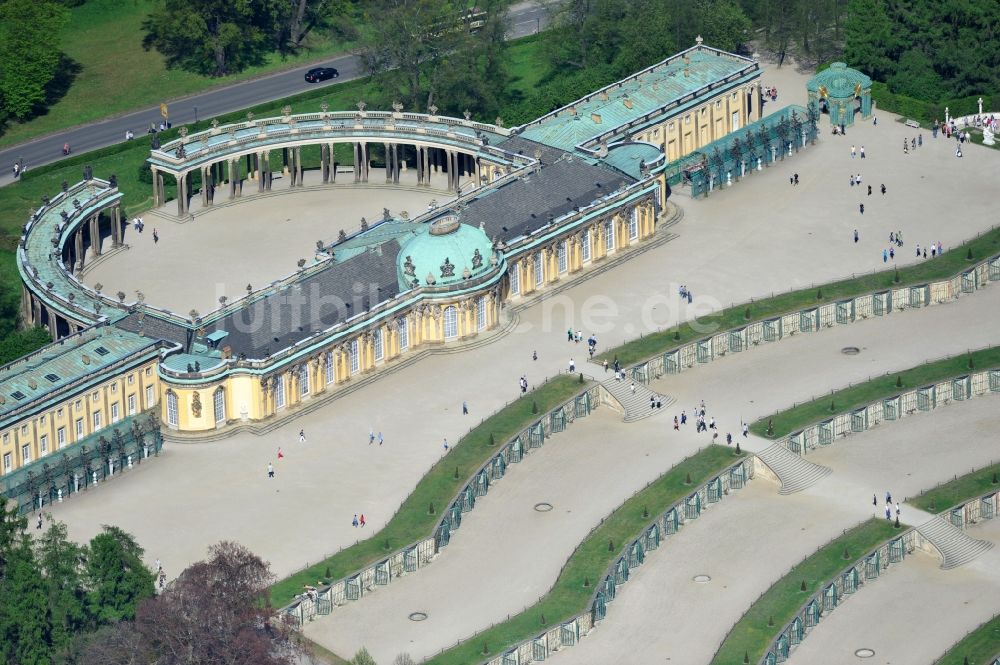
[355, 359]
[563, 257]
[279, 392]
[539, 269]
[481, 313]
[219, 402]
[515, 279]
[609, 235]
[450, 322]
[377, 343]
[304, 379]
[587, 242]
[328, 367]
[633, 224]
[404, 334]
[171, 408]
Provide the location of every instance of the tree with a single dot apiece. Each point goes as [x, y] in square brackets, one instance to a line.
[116, 577]
[216, 37]
[362, 657]
[22, 342]
[25, 620]
[869, 38]
[723, 24]
[216, 613]
[60, 560]
[29, 53]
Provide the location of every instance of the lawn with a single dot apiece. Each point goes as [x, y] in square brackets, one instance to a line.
[575, 585]
[959, 490]
[752, 635]
[949, 264]
[104, 34]
[848, 399]
[976, 648]
[414, 521]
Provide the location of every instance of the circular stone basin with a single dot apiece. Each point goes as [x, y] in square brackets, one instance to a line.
[418, 616]
[702, 579]
[864, 653]
[850, 350]
[543, 507]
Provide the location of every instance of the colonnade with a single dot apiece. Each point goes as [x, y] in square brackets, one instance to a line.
[427, 160]
[35, 312]
[88, 238]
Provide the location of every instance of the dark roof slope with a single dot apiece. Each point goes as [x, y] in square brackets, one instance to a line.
[314, 304]
[525, 204]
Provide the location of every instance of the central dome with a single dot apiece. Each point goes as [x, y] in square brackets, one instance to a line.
[446, 251]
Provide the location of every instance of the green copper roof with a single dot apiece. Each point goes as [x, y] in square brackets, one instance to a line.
[626, 157]
[443, 252]
[36, 377]
[637, 96]
[840, 81]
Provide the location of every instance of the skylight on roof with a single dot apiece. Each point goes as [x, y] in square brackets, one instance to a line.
[52, 377]
[17, 394]
[101, 351]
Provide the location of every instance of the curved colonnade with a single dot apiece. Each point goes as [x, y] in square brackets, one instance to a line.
[245, 361]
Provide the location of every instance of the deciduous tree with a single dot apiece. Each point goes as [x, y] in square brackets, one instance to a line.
[29, 53]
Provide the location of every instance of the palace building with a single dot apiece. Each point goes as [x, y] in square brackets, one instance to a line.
[530, 207]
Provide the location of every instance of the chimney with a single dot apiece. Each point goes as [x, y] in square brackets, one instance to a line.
[627, 102]
[595, 118]
[604, 95]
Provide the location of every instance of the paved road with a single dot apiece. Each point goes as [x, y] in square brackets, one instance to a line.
[526, 18]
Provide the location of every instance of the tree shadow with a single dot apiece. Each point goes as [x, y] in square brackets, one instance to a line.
[66, 72]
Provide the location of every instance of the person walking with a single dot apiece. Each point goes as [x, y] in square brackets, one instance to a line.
[883, 189]
[354, 522]
[853, 152]
[869, 190]
[446, 445]
[885, 256]
[380, 440]
[605, 365]
[302, 436]
[572, 366]
[746, 430]
[677, 425]
[892, 253]
[270, 470]
[465, 408]
[855, 235]
[861, 207]
[897, 510]
[362, 520]
[156, 236]
[862, 152]
[38, 526]
[684, 418]
[371, 436]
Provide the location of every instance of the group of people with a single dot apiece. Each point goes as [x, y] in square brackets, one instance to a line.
[888, 505]
[703, 424]
[19, 168]
[356, 522]
[685, 292]
[936, 250]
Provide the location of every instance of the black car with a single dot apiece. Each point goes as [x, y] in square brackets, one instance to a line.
[321, 74]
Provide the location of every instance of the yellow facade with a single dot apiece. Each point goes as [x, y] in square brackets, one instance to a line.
[78, 415]
[242, 397]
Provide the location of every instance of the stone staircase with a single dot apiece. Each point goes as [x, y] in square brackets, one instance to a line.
[957, 548]
[794, 471]
[635, 404]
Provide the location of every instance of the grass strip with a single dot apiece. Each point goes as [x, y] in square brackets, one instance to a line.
[414, 521]
[976, 648]
[751, 635]
[855, 397]
[947, 265]
[577, 581]
[959, 490]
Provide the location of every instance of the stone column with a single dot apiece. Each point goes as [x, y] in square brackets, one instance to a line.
[333, 163]
[36, 309]
[181, 194]
[356, 147]
[449, 168]
[365, 165]
[95, 236]
[156, 190]
[79, 250]
[261, 173]
[298, 166]
[116, 225]
[204, 187]
[324, 162]
[388, 163]
[232, 178]
[52, 323]
[479, 173]
[395, 163]
[268, 175]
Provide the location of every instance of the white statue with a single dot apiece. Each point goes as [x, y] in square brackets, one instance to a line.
[987, 135]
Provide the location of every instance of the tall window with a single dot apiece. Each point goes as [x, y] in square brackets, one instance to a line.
[172, 408]
[563, 258]
[97, 420]
[61, 437]
[219, 403]
[279, 392]
[586, 245]
[377, 340]
[450, 322]
[609, 235]
[131, 405]
[633, 224]
[304, 379]
[79, 428]
[481, 313]
[328, 374]
[115, 413]
[7, 463]
[43, 445]
[150, 397]
[539, 269]
[25, 454]
[404, 334]
[515, 279]
[355, 359]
